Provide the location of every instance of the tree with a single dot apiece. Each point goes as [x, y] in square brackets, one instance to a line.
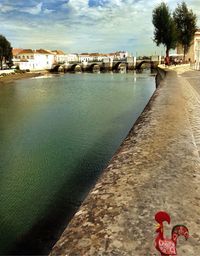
[5, 51]
[185, 21]
[165, 28]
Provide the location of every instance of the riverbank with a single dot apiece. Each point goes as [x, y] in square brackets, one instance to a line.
[16, 76]
[156, 168]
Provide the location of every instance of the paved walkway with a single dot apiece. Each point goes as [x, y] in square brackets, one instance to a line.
[156, 168]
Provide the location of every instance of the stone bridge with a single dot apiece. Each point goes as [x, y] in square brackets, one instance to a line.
[148, 62]
[97, 66]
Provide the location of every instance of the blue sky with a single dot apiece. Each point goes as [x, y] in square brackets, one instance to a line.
[83, 25]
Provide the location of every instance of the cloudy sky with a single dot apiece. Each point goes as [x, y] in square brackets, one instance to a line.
[83, 25]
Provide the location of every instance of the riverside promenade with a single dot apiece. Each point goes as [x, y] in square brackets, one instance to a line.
[156, 168]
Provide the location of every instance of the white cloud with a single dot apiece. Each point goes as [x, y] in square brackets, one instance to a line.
[77, 5]
[33, 10]
[47, 11]
[6, 8]
[115, 25]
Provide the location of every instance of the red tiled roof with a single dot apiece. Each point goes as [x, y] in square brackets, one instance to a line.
[42, 51]
[26, 51]
[16, 51]
[58, 52]
[94, 54]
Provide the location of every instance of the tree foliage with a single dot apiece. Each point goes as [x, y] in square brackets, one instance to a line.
[185, 21]
[165, 28]
[5, 51]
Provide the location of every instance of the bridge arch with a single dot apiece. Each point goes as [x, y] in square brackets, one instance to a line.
[139, 65]
[94, 67]
[56, 68]
[75, 68]
[120, 66]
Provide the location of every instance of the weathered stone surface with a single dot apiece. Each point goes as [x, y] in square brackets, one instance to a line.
[156, 168]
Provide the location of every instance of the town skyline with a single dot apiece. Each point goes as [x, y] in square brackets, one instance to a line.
[76, 26]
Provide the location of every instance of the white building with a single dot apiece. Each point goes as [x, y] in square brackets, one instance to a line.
[123, 55]
[44, 59]
[118, 55]
[85, 57]
[60, 56]
[34, 59]
[103, 57]
[72, 57]
[193, 55]
[197, 50]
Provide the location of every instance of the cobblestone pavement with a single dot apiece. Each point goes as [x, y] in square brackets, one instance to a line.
[156, 168]
[193, 102]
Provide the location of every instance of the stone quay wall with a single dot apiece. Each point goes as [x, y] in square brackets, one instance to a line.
[157, 167]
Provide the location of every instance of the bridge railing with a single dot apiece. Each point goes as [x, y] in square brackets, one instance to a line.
[95, 61]
[74, 62]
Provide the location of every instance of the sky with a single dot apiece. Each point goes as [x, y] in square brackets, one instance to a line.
[76, 26]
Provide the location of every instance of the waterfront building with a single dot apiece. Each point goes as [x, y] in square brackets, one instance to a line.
[28, 59]
[72, 57]
[85, 57]
[34, 59]
[15, 52]
[123, 55]
[120, 55]
[103, 57]
[60, 56]
[193, 54]
[95, 56]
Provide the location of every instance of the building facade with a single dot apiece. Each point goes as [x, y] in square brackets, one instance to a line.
[72, 57]
[197, 50]
[28, 59]
[193, 55]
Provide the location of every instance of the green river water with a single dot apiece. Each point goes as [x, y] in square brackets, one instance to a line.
[56, 135]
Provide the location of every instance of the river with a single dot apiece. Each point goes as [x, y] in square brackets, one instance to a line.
[57, 133]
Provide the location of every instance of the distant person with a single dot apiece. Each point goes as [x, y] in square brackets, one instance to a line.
[167, 60]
